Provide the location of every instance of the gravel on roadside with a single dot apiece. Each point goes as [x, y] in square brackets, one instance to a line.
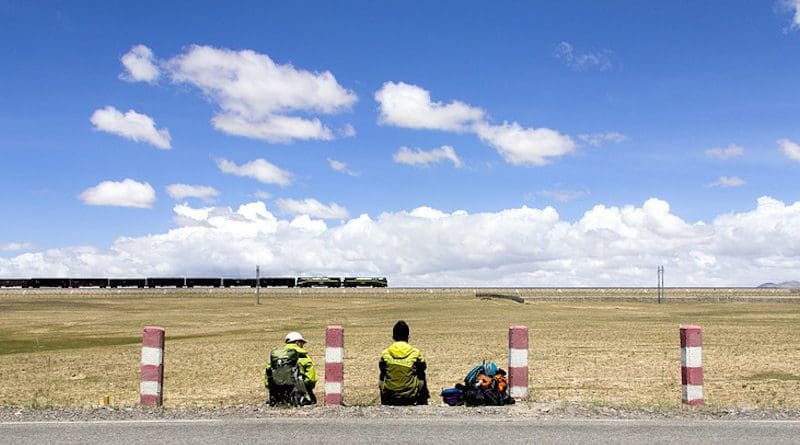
[518, 411]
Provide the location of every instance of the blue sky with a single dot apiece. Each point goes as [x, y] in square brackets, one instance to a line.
[589, 110]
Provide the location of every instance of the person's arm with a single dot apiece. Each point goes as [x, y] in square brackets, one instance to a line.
[310, 372]
[382, 368]
[420, 366]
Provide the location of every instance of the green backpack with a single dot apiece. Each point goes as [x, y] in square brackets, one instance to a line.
[283, 362]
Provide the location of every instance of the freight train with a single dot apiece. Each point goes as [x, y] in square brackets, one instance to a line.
[190, 282]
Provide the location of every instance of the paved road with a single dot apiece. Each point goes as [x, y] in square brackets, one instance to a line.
[402, 430]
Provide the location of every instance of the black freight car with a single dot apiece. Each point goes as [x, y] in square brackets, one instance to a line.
[203, 282]
[277, 282]
[49, 282]
[239, 282]
[88, 282]
[166, 282]
[127, 282]
[15, 282]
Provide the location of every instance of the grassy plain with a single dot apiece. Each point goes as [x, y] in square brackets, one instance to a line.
[60, 349]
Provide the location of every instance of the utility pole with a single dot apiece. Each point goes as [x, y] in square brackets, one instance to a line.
[660, 283]
[258, 285]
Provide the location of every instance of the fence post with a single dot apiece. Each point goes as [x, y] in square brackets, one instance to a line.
[152, 367]
[518, 362]
[334, 365]
[692, 364]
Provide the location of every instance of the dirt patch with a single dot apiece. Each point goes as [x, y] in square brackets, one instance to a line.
[619, 353]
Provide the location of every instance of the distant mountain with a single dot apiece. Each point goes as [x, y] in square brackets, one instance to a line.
[784, 285]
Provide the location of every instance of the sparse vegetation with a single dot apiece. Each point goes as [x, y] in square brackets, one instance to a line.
[61, 349]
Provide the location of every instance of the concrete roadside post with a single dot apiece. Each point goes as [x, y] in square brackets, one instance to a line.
[334, 365]
[518, 362]
[152, 367]
[692, 364]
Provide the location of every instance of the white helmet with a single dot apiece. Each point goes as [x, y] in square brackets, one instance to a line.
[293, 337]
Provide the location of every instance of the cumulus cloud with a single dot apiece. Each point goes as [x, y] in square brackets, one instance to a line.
[183, 191]
[275, 128]
[256, 95]
[606, 246]
[140, 65]
[259, 169]
[342, 167]
[125, 193]
[728, 181]
[793, 7]
[598, 139]
[16, 247]
[600, 60]
[729, 152]
[419, 158]
[790, 148]
[131, 125]
[312, 208]
[528, 146]
[410, 106]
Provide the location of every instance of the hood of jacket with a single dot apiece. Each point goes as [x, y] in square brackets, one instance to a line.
[400, 349]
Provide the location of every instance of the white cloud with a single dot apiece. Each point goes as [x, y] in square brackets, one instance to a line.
[728, 181]
[139, 65]
[125, 193]
[182, 191]
[579, 62]
[410, 106]
[417, 157]
[793, 7]
[340, 166]
[790, 148]
[606, 246]
[15, 247]
[131, 125]
[348, 131]
[275, 128]
[729, 152]
[563, 195]
[529, 146]
[312, 208]
[598, 139]
[255, 94]
[259, 169]
[260, 194]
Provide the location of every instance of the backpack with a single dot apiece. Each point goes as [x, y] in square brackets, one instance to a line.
[283, 362]
[283, 377]
[485, 384]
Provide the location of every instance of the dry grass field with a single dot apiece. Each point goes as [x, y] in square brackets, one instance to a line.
[71, 349]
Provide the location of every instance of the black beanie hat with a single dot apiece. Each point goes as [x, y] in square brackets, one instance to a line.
[400, 331]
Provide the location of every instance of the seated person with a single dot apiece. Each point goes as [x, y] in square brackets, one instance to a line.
[402, 371]
[290, 376]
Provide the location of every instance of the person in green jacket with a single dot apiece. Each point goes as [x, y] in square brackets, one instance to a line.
[402, 371]
[293, 349]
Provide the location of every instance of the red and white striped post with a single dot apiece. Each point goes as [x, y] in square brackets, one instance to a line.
[334, 365]
[692, 364]
[518, 362]
[152, 368]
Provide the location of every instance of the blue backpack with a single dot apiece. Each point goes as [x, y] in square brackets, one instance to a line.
[480, 387]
